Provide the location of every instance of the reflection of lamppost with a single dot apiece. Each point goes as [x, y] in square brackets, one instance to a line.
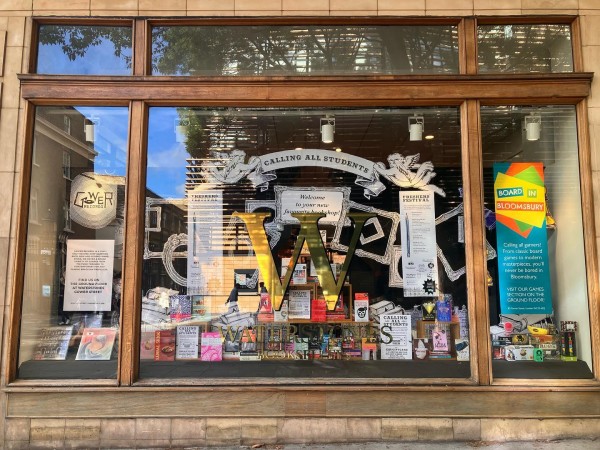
[89, 127]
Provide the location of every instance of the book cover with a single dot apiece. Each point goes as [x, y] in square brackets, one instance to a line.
[147, 345]
[187, 342]
[422, 348]
[211, 346]
[462, 349]
[283, 313]
[440, 340]
[248, 340]
[164, 345]
[96, 344]
[299, 275]
[181, 308]
[361, 307]
[339, 312]
[53, 343]
[265, 308]
[200, 308]
[318, 310]
[284, 265]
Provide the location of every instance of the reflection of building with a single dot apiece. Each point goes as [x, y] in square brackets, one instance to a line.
[60, 153]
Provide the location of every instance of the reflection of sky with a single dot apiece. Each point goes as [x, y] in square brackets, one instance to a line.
[166, 157]
[110, 137]
[98, 60]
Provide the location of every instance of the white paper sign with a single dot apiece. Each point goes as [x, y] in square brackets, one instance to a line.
[205, 236]
[294, 200]
[187, 342]
[89, 275]
[419, 248]
[396, 336]
[299, 305]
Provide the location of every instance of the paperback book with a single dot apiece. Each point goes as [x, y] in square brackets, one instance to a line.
[164, 345]
[96, 344]
[211, 346]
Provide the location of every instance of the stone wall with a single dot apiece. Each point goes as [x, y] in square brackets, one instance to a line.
[15, 26]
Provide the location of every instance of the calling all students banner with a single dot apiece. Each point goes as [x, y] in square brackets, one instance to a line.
[523, 270]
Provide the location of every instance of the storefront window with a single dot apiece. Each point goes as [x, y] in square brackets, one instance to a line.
[525, 48]
[84, 50]
[294, 243]
[304, 50]
[538, 296]
[72, 288]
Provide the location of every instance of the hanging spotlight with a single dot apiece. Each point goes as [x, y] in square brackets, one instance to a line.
[415, 127]
[327, 129]
[533, 127]
[89, 127]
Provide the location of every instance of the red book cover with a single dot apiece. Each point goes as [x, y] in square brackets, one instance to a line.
[318, 310]
[164, 345]
[339, 313]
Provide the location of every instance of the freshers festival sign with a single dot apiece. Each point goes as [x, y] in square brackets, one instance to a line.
[523, 270]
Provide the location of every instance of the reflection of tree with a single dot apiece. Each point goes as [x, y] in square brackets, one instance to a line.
[252, 50]
[524, 48]
[75, 40]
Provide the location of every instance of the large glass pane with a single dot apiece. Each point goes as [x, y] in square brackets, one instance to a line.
[72, 288]
[304, 50]
[295, 243]
[524, 48]
[84, 50]
[538, 291]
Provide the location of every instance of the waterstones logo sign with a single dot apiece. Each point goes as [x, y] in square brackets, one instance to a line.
[309, 232]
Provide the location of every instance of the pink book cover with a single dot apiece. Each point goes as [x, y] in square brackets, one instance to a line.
[211, 346]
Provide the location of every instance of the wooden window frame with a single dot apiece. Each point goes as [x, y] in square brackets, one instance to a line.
[467, 90]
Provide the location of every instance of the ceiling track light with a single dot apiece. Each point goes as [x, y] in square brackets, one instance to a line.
[327, 129]
[533, 127]
[415, 127]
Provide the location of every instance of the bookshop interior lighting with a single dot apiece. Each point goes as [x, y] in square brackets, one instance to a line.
[533, 127]
[415, 127]
[327, 129]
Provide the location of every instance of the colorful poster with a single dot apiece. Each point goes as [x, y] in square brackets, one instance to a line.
[396, 336]
[419, 248]
[523, 270]
[205, 240]
[89, 275]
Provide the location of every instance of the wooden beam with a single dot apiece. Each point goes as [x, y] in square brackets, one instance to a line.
[483, 402]
[589, 235]
[135, 194]
[292, 91]
[22, 208]
[475, 243]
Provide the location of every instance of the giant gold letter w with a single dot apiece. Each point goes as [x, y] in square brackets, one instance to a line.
[309, 232]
